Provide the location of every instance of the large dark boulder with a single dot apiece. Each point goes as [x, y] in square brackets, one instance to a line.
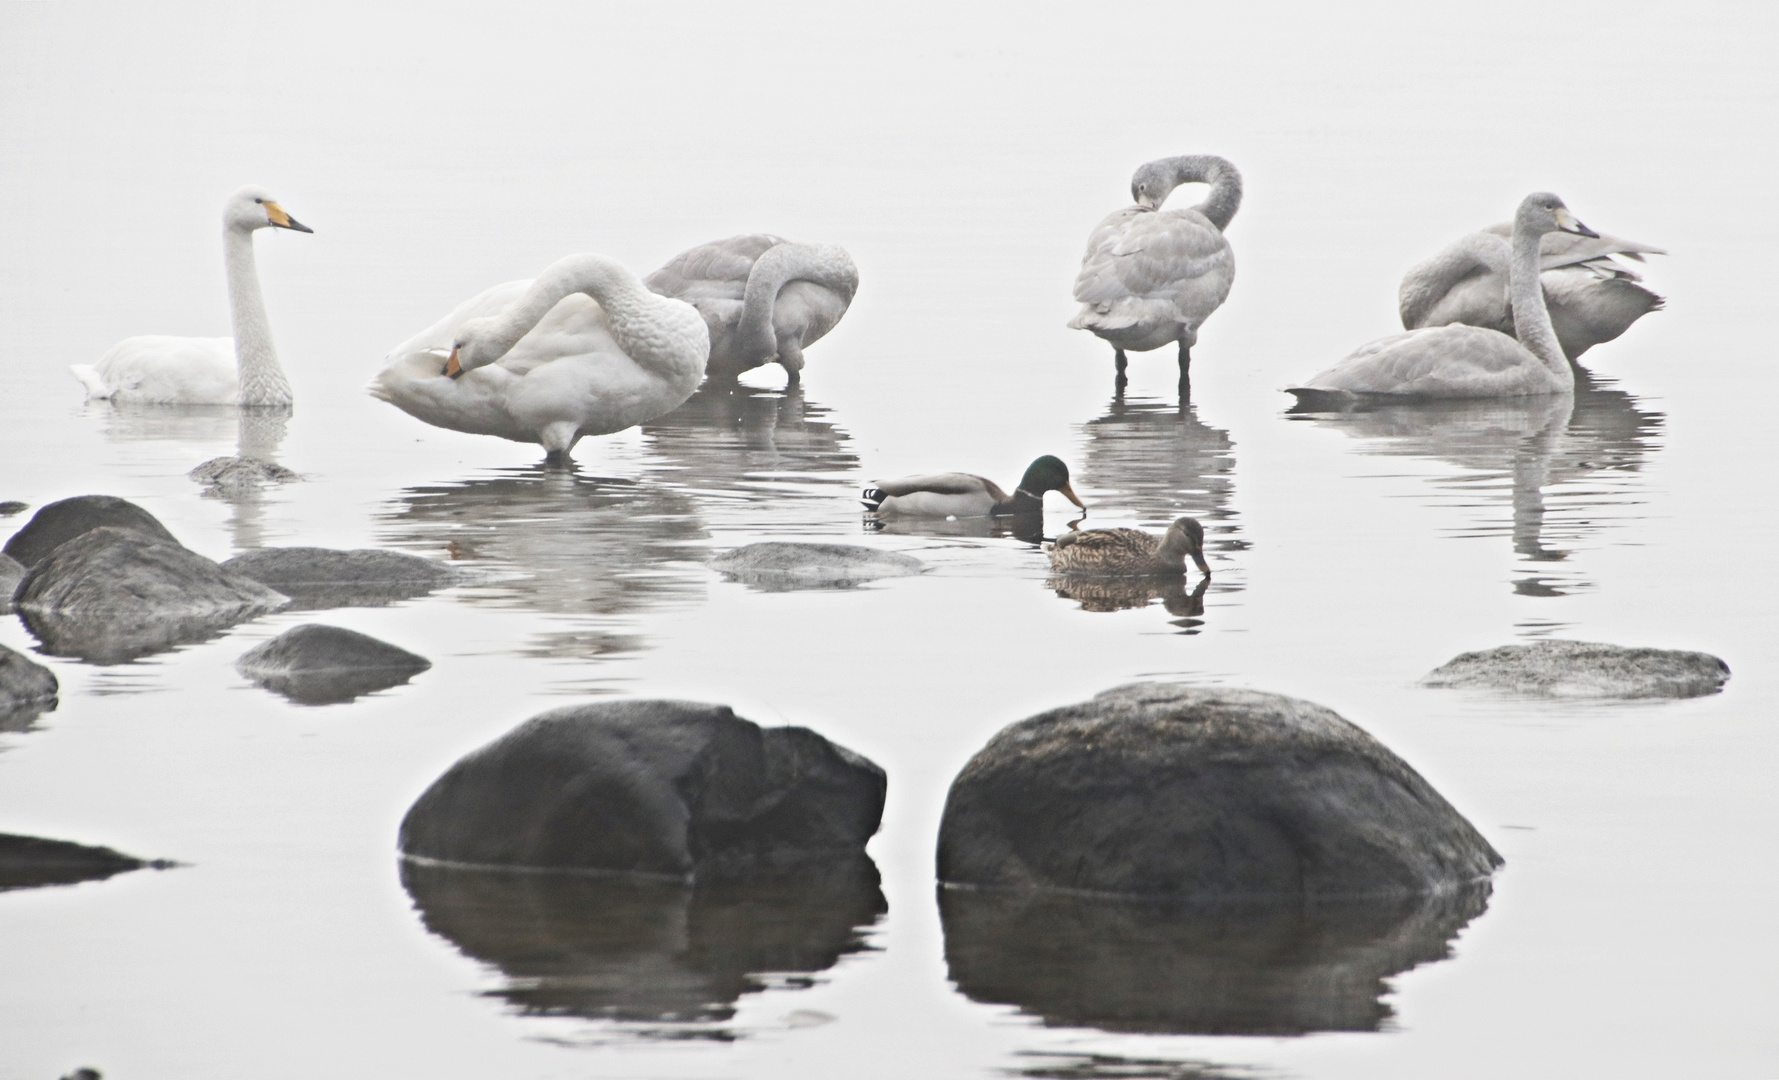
[778, 566]
[1584, 669]
[29, 861]
[638, 949]
[325, 578]
[325, 665]
[112, 594]
[1154, 789]
[678, 789]
[11, 573]
[59, 522]
[27, 689]
[1265, 967]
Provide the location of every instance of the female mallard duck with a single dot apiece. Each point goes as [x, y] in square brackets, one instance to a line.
[964, 495]
[1130, 551]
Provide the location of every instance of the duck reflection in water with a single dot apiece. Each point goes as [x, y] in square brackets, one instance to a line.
[648, 951]
[1261, 968]
[765, 443]
[1531, 453]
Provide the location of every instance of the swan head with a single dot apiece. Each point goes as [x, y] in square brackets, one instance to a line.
[254, 208]
[470, 348]
[1152, 184]
[1541, 212]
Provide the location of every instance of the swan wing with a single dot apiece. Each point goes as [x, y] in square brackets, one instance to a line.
[1454, 361]
[717, 270]
[161, 370]
[443, 334]
[1565, 249]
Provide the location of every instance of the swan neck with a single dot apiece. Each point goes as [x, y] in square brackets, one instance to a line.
[628, 305]
[1427, 283]
[1531, 319]
[778, 266]
[256, 359]
[1225, 180]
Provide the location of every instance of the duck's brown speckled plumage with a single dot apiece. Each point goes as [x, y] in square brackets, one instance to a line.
[1130, 551]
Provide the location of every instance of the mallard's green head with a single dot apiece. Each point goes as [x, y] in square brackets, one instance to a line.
[1048, 474]
[1187, 537]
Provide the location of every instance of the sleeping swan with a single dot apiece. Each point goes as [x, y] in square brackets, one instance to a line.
[582, 349]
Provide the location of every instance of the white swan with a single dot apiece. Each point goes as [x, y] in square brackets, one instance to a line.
[1592, 298]
[1461, 361]
[1151, 276]
[582, 349]
[763, 298]
[242, 370]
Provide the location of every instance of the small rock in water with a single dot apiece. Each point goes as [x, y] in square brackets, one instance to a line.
[326, 665]
[11, 573]
[324, 577]
[778, 566]
[13, 506]
[1583, 669]
[27, 689]
[111, 594]
[233, 475]
[29, 861]
[60, 522]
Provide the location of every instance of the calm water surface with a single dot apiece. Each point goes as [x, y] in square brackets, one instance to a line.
[961, 157]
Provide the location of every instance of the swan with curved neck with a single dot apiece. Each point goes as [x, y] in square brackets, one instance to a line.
[1460, 361]
[763, 298]
[242, 370]
[582, 349]
[1153, 276]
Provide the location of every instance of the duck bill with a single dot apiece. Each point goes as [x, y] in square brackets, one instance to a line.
[1203, 567]
[1069, 494]
[277, 216]
[452, 367]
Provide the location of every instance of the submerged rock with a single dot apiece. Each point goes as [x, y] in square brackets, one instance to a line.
[677, 789]
[28, 861]
[227, 476]
[777, 566]
[112, 594]
[635, 949]
[326, 665]
[1584, 669]
[60, 522]
[1265, 967]
[1154, 789]
[325, 578]
[11, 573]
[27, 689]
[13, 506]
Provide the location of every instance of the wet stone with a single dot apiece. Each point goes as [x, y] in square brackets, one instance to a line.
[326, 578]
[228, 476]
[325, 665]
[777, 566]
[1583, 669]
[30, 861]
[11, 573]
[12, 506]
[1163, 790]
[680, 790]
[60, 522]
[27, 689]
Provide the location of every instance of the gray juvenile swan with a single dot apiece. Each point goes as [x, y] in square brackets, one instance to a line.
[242, 370]
[1461, 361]
[1151, 276]
[1591, 297]
[763, 298]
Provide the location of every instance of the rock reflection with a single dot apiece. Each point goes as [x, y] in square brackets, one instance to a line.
[1531, 453]
[647, 951]
[1132, 966]
[765, 443]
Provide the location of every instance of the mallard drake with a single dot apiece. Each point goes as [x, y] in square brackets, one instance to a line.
[964, 495]
[1130, 551]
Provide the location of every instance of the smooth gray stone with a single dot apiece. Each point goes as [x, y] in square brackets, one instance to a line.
[112, 594]
[778, 566]
[234, 475]
[324, 665]
[1584, 669]
[326, 578]
[1153, 789]
[59, 522]
[27, 689]
[11, 573]
[1268, 967]
[644, 950]
[29, 861]
[676, 789]
[13, 506]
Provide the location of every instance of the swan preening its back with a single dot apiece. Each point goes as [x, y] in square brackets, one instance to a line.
[242, 370]
[763, 298]
[582, 349]
[1459, 361]
[1591, 297]
[1152, 276]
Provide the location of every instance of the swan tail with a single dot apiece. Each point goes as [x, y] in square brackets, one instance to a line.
[872, 498]
[1311, 400]
[89, 377]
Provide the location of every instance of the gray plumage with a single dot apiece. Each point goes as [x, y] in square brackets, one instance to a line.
[1130, 551]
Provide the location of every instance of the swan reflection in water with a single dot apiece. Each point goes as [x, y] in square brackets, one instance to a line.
[760, 444]
[1262, 968]
[648, 951]
[1566, 465]
[560, 543]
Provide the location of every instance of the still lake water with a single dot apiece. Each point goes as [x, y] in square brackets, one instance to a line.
[961, 156]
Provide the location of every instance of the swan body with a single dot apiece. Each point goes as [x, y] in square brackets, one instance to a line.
[966, 495]
[1460, 361]
[1152, 276]
[1591, 297]
[763, 298]
[582, 349]
[1130, 551]
[242, 370]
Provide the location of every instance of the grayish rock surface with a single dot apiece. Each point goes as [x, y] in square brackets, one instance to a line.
[59, 522]
[678, 789]
[1584, 669]
[776, 565]
[227, 476]
[324, 577]
[324, 665]
[1153, 789]
[13, 506]
[29, 861]
[27, 689]
[111, 594]
[11, 573]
